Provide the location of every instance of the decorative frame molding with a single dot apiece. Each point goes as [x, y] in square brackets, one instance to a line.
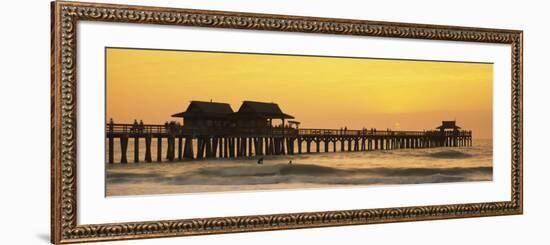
[65, 16]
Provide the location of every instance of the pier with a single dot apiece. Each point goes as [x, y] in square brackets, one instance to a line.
[212, 130]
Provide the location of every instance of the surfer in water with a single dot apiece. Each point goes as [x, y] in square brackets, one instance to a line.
[261, 160]
[289, 162]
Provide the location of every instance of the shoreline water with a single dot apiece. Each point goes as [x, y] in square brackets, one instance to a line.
[315, 170]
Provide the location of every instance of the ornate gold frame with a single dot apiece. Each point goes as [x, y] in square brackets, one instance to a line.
[65, 15]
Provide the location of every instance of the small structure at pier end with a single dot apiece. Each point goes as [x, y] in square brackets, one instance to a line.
[457, 138]
[448, 125]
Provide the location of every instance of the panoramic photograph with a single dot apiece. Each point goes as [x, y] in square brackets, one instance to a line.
[183, 121]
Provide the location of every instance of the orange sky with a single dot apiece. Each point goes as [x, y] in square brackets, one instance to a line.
[320, 92]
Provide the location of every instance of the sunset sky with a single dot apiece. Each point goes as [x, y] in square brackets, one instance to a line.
[320, 92]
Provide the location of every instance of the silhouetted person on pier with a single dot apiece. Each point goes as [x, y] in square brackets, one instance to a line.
[261, 160]
[134, 126]
[141, 126]
[111, 126]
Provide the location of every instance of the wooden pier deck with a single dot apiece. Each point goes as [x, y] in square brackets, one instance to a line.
[199, 143]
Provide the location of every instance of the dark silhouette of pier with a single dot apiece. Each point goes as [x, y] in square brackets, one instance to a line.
[213, 130]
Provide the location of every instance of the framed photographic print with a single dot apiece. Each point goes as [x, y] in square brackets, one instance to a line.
[175, 122]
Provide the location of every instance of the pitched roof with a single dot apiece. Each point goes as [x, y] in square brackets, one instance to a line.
[261, 109]
[206, 110]
[448, 125]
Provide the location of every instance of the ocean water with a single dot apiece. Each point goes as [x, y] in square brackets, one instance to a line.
[314, 170]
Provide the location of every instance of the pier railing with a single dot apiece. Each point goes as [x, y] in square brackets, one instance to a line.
[364, 132]
[175, 129]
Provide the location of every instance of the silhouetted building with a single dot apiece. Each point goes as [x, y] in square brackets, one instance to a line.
[253, 114]
[252, 117]
[448, 125]
[201, 114]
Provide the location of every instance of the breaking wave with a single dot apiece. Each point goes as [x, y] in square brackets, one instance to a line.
[305, 173]
[449, 154]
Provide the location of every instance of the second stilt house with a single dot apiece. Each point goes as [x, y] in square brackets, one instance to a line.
[257, 117]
